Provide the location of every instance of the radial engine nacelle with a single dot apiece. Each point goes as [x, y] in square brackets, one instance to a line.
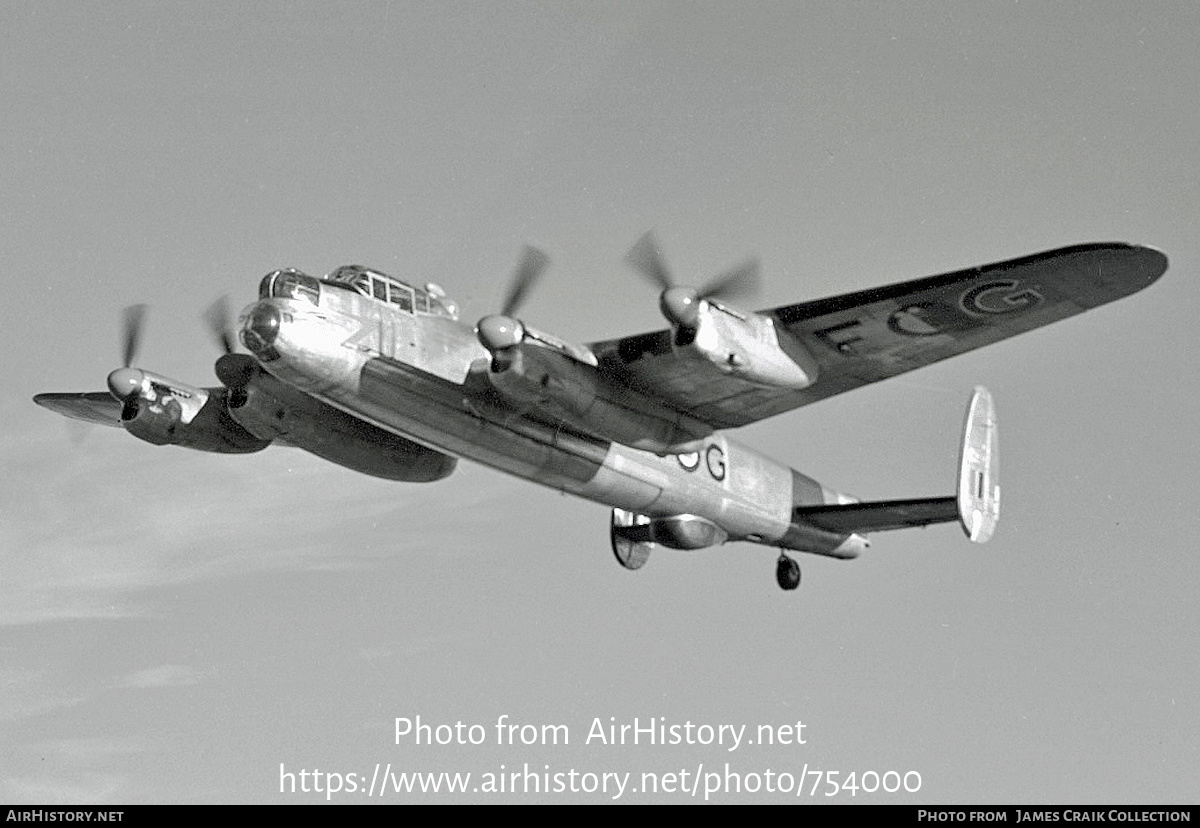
[164, 412]
[749, 346]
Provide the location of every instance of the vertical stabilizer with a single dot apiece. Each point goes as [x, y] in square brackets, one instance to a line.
[978, 469]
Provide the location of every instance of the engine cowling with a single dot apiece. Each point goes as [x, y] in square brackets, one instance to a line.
[749, 346]
[162, 419]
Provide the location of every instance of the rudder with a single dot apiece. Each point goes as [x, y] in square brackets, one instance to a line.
[978, 467]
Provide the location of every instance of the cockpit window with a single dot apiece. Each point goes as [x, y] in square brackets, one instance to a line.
[402, 296]
[290, 284]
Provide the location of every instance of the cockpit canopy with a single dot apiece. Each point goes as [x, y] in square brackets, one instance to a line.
[294, 284]
[393, 291]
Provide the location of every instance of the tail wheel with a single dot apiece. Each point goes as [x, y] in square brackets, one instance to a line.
[787, 573]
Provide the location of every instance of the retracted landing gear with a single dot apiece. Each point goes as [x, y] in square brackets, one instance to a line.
[787, 572]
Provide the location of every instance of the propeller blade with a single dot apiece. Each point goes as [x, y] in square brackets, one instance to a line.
[77, 432]
[646, 259]
[530, 268]
[133, 318]
[679, 304]
[738, 281]
[217, 318]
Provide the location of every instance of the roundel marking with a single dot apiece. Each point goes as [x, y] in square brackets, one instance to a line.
[913, 320]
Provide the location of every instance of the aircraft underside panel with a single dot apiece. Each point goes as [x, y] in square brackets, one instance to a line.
[738, 490]
[806, 536]
[274, 410]
[436, 413]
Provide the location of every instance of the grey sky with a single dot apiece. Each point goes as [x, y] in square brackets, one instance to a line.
[176, 625]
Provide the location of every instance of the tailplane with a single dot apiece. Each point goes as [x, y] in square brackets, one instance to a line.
[976, 506]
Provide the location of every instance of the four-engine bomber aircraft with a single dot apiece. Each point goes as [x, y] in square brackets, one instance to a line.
[380, 376]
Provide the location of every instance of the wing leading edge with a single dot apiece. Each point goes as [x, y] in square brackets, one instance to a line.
[867, 336]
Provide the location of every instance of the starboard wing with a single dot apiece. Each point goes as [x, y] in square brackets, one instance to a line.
[870, 335]
[90, 406]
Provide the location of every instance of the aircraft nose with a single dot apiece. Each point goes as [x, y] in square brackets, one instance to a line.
[261, 328]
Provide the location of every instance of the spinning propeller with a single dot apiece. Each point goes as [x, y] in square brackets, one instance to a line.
[134, 319]
[680, 304]
[499, 331]
[233, 369]
[125, 383]
[216, 317]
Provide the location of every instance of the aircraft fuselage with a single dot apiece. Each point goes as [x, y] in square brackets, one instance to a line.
[424, 377]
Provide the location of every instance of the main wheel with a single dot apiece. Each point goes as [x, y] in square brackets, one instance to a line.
[787, 573]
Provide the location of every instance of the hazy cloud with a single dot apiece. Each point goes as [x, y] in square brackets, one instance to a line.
[168, 675]
[106, 523]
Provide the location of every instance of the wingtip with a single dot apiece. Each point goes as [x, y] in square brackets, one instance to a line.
[1151, 263]
[92, 407]
[1159, 257]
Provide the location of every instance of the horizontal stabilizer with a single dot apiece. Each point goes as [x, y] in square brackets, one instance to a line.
[978, 469]
[880, 515]
[90, 406]
[976, 506]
